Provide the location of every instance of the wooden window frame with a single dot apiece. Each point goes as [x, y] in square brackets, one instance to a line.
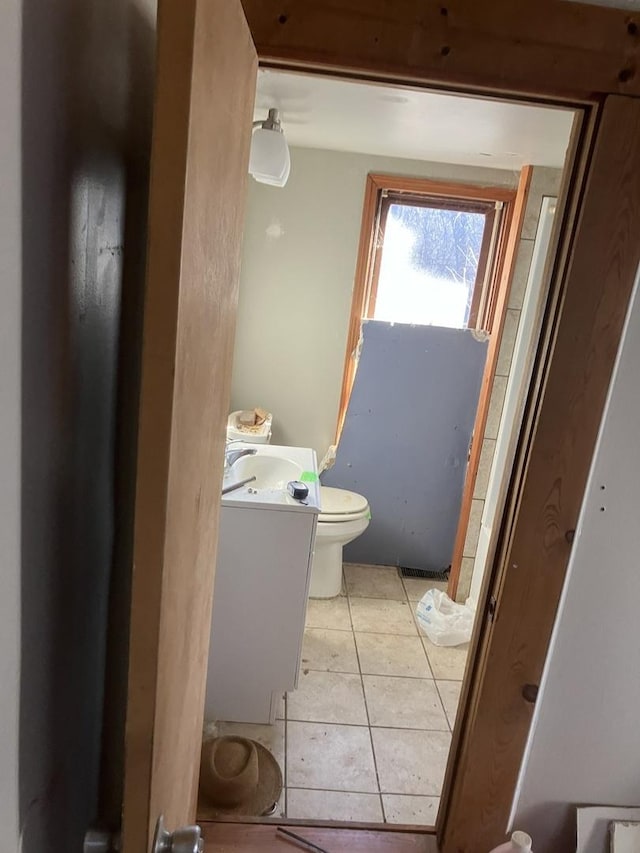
[380, 187]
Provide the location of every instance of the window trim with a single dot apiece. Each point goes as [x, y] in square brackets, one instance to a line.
[368, 256]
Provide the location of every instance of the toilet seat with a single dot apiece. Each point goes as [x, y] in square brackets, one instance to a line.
[341, 505]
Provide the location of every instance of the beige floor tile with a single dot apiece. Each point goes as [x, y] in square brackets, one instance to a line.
[330, 757]
[328, 697]
[329, 650]
[447, 662]
[407, 703]
[281, 713]
[270, 736]
[400, 808]
[377, 616]
[373, 582]
[387, 654]
[333, 805]
[411, 762]
[328, 613]
[416, 587]
[450, 695]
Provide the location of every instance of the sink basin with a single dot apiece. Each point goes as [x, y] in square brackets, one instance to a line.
[273, 466]
[271, 472]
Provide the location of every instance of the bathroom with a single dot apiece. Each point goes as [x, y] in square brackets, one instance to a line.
[374, 696]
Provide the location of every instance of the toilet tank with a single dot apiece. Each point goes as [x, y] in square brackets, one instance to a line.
[260, 434]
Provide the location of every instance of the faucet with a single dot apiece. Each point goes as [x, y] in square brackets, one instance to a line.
[231, 455]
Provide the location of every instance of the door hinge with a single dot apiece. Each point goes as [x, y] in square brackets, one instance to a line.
[101, 841]
[491, 607]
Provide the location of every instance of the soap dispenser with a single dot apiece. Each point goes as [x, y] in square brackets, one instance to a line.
[520, 843]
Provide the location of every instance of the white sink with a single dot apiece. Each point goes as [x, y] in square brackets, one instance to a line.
[271, 472]
[273, 467]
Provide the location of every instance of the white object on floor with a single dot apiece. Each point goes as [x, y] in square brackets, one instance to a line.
[594, 823]
[445, 622]
[625, 837]
[343, 517]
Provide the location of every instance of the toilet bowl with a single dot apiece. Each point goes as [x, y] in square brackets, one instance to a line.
[343, 517]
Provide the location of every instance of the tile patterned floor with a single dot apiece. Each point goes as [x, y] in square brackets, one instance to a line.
[366, 736]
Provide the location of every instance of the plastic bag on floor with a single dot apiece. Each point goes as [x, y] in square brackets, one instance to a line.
[444, 621]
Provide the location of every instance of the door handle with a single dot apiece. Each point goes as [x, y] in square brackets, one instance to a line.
[185, 839]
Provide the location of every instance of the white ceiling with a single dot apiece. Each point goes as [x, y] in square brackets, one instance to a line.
[345, 115]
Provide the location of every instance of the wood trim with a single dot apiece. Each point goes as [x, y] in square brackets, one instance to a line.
[481, 290]
[206, 67]
[171, 124]
[490, 294]
[360, 295]
[378, 245]
[232, 837]
[585, 323]
[506, 267]
[365, 279]
[445, 189]
[326, 824]
[536, 47]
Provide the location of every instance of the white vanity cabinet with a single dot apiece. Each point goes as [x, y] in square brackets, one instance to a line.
[259, 606]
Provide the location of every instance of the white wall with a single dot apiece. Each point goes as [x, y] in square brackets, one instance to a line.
[10, 23]
[584, 747]
[299, 259]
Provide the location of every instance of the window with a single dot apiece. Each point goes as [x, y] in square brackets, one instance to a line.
[429, 253]
[432, 260]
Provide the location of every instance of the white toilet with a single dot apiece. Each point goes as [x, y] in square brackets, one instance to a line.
[343, 517]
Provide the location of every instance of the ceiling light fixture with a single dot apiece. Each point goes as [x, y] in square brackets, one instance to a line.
[269, 161]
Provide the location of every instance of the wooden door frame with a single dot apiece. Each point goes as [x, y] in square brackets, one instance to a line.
[586, 58]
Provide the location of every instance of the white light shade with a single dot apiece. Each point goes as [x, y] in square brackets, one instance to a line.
[269, 161]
